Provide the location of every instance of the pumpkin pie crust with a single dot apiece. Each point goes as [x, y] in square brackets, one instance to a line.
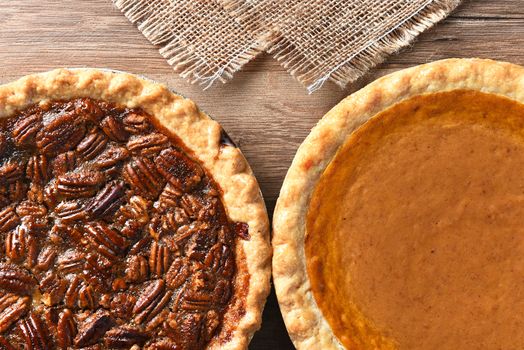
[128, 219]
[399, 224]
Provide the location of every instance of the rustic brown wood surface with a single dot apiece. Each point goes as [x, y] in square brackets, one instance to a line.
[264, 109]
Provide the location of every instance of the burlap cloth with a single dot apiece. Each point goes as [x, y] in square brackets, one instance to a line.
[315, 40]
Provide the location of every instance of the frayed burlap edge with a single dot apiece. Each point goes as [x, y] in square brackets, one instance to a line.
[357, 63]
[153, 20]
[177, 50]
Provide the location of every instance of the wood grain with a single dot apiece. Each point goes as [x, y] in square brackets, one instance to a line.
[263, 108]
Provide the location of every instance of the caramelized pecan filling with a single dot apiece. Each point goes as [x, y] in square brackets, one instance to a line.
[110, 234]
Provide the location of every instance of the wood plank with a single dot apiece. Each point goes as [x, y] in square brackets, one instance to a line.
[263, 108]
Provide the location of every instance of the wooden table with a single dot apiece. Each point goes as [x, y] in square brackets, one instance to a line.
[264, 109]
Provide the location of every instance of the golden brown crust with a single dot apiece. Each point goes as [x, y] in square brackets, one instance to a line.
[202, 135]
[306, 325]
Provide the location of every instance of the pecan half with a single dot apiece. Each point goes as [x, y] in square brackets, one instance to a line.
[66, 329]
[142, 176]
[12, 308]
[71, 261]
[92, 145]
[158, 316]
[70, 211]
[11, 172]
[151, 301]
[106, 240]
[33, 216]
[214, 256]
[137, 269]
[186, 231]
[178, 273]
[107, 201]
[136, 123]
[158, 259]
[178, 169]
[38, 169]
[25, 129]
[79, 184]
[149, 296]
[111, 158]
[137, 209]
[88, 109]
[31, 209]
[32, 251]
[125, 337]
[114, 129]
[45, 259]
[71, 296]
[169, 197]
[16, 244]
[15, 279]
[93, 328]
[186, 329]
[149, 144]
[34, 333]
[87, 298]
[63, 163]
[60, 135]
[197, 301]
[8, 219]
[222, 292]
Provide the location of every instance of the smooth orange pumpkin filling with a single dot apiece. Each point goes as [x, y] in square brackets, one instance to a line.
[415, 231]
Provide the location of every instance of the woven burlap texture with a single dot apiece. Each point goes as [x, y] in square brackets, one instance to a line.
[315, 40]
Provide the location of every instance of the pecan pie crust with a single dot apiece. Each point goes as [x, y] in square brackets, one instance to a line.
[128, 219]
[296, 290]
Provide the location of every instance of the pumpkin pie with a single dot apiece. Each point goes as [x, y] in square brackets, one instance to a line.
[400, 224]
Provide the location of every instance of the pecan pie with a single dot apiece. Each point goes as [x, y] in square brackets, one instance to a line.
[399, 225]
[128, 219]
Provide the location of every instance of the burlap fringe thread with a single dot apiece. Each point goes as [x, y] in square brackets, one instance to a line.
[316, 41]
[198, 38]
